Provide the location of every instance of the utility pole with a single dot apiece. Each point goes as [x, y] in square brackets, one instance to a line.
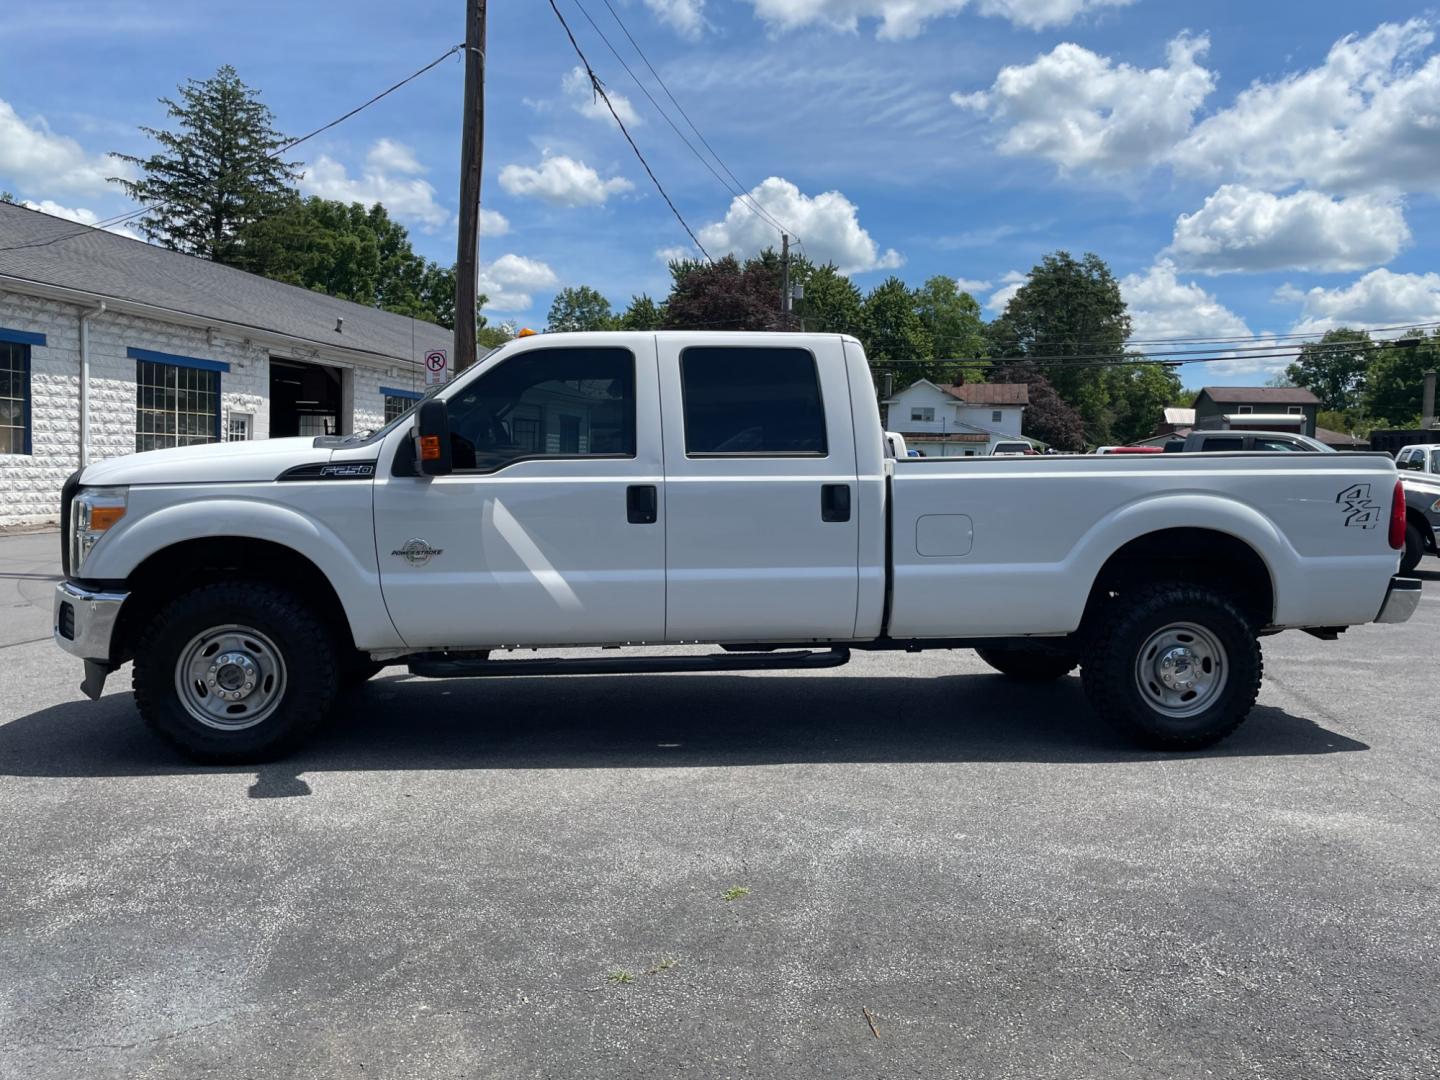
[472, 152]
[785, 280]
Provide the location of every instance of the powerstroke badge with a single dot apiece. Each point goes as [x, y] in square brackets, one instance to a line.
[417, 552]
[1359, 509]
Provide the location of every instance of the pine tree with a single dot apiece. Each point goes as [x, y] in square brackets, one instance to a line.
[215, 174]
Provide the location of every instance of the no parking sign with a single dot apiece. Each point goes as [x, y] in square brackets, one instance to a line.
[437, 367]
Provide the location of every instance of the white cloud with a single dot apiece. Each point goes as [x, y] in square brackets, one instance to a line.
[588, 103]
[509, 280]
[1367, 119]
[1082, 110]
[676, 254]
[828, 223]
[1380, 298]
[493, 223]
[1009, 286]
[906, 18]
[34, 158]
[685, 17]
[390, 176]
[563, 181]
[79, 214]
[1242, 229]
[1163, 307]
[971, 285]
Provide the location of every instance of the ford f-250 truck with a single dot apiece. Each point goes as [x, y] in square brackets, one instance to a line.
[682, 488]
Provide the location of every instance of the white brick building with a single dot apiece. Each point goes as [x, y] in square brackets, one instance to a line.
[965, 420]
[108, 345]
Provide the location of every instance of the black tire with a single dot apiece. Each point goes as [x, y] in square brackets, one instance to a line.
[1026, 665]
[358, 670]
[1111, 671]
[1414, 548]
[305, 690]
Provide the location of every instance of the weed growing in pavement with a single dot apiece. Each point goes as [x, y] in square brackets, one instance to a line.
[736, 892]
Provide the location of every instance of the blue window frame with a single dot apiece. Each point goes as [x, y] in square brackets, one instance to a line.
[397, 401]
[15, 393]
[177, 399]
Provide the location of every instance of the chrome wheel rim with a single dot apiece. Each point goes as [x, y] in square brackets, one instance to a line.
[1181, 670]
[230, 677]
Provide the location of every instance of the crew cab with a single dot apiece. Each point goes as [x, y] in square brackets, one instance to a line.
[1227, 441]
[641, 489]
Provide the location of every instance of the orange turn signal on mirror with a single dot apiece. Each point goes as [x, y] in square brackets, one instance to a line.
[102, 517]
[429, 447]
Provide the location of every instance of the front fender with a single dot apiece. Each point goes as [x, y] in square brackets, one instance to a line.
[155, 521]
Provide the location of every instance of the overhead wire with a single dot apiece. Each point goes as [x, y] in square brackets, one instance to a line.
[598, 88]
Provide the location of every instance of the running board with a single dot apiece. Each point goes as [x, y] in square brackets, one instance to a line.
[439, 666]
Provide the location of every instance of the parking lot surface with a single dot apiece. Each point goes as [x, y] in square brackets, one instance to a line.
[906, 867]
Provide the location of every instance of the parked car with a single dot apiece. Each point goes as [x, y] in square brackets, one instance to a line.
[1215, 442]
[1421, 458]
[1422, 518]
[1129, 449]
[1013, 449]
[734, 489]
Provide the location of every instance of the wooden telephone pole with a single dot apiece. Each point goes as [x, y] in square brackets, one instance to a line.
[472, 152]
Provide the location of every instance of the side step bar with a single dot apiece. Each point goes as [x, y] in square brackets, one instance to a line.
[440, 666]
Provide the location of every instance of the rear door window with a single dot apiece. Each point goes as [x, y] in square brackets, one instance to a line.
[751, 402]
[1224, 442]
[1283, 446]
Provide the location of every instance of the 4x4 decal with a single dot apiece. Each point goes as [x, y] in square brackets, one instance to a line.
[1359, 509]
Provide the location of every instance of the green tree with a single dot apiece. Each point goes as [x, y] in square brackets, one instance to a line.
[642, 314]
[1047, 417]
[487, 336]
[216, 173]
[894, 334]
[1070, 313]
[1139, 394]
[831, 304]
[1334, 368]
[579, 308]
[1394, 385]
[952, 320]
[346, 250]
[723, 295]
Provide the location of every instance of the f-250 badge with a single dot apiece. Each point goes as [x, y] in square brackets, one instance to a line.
[417, 552]
[1359, 509]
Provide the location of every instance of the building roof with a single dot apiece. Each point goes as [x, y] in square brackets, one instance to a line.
[116, 267]
[1260, 395]
[1180, 416]
[990, 393]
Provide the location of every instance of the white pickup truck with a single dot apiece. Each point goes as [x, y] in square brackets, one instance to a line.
[679, 488]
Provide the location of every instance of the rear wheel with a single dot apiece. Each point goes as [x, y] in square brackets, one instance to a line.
[235, 672]
[1026, 665]
[1175, 667]
[1414, 548]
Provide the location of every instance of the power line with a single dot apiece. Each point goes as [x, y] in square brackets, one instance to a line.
[599, 89]
[738, 189]
[119, 219]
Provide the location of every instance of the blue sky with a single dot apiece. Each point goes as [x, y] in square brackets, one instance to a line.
[1245, 168]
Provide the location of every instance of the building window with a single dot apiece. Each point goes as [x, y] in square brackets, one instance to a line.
[175, 406]
[996, 416]
[237, 427]
[925, 415]
[14, 398]
[397, 402]
[1296, 410]
[1245, 409]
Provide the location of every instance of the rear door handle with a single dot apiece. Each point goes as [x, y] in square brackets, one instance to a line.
[834, 502]
[642, 504]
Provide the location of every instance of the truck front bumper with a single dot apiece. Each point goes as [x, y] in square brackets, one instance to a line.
[84, 624]
[1401, 600]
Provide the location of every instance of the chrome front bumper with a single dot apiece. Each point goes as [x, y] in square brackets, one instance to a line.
[1401, 600]
[84, 620]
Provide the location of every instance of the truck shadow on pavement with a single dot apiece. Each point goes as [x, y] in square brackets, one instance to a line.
[398, 722]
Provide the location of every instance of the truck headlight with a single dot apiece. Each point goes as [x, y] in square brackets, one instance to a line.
[92, 514]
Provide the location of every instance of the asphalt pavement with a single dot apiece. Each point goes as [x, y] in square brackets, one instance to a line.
[905, 867]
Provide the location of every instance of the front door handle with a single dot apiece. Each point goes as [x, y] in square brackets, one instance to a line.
[834, 502]
[642, 504]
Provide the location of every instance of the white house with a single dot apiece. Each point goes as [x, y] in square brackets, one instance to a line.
[958, 421]
[109, 346]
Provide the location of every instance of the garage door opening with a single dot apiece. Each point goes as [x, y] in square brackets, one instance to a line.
[304, 399]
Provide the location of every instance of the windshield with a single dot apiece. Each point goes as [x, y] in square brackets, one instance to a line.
[1435, 461]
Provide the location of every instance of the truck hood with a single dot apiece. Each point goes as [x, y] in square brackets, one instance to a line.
[208, 463]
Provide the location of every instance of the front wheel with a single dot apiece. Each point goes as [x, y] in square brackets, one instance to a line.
[1175, 667]
[1414, 548]
[235, 672]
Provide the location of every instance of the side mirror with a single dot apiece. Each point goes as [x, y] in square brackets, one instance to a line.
[431, 439]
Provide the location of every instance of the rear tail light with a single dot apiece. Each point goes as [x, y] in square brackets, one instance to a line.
[1397, 517]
